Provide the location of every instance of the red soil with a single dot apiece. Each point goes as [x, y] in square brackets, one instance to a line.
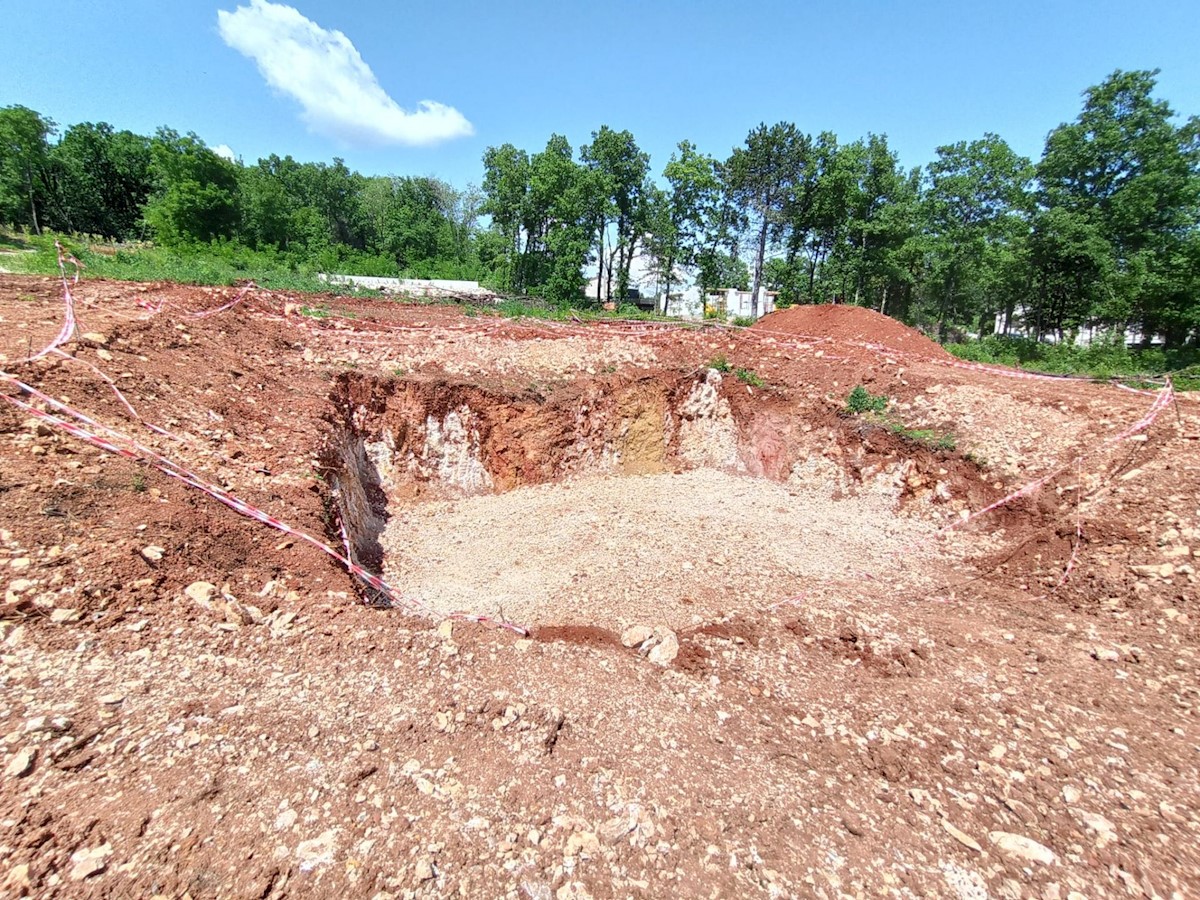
[852, 324]
[858, 738]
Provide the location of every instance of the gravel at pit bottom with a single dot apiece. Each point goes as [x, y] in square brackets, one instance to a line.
[671, 549]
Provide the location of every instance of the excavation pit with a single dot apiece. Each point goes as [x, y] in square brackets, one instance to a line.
[673, 499]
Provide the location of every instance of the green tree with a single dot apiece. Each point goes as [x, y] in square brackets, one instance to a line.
[418, 225]
[717, 262]
[819, 215]
[102, 180]
[284, 206]
[723, 269]
[506, 200]
[678, 214]
[882, 218]
[762, 177]
[195, 195]
[335, 193]
[542, 206]
[268, 212]
[618, 187]
[976, 203]
[560, 230]
[1071, 261]
[24, 155]
[1128, 175]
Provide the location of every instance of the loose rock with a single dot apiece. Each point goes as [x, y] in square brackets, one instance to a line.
[961, 836]
[667, 648]
[636, 635]
[89, 862]
[21, 764]
[1020, 847]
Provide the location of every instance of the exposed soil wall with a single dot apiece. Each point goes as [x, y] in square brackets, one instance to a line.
[399, 442]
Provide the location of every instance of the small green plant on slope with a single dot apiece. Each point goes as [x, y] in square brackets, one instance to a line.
[924, 436]
[750, 377]
[863, 401]
[721, 363]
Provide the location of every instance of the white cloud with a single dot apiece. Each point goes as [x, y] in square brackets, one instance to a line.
[226, 151]
[339, 93]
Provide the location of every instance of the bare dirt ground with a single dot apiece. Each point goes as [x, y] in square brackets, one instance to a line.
[839, 682]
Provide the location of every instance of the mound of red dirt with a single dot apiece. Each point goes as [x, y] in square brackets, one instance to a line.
[854, 324]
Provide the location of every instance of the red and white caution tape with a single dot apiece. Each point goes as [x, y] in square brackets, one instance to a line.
[113, 441]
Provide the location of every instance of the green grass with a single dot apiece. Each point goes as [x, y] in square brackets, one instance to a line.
[13, 241]
[874, 407]
[1104, 360]
[215, 264]
[224, 263]
[926, 436]
[721, 363]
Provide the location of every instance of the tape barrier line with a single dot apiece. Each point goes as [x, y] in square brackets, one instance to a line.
[648, 330]
[205, 313]
[133, 450]
[643, 330]
[59, 352]
[1161, 401]
[122, 445]
[156, 307]
[70, 324]
[638, 329]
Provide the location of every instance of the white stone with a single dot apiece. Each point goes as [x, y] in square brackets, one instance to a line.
[21, 764]
[636, 635]
[664, 652]
[1021, 847]
[200, 591]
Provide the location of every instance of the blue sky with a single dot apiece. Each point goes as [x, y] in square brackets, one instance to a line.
[924, 73]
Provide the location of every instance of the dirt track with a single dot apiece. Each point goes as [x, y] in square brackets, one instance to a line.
[862, 708]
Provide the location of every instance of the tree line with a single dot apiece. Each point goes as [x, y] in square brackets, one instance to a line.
[1103, 230]
[177, 191]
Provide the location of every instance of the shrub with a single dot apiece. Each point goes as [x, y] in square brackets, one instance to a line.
[750, 377]
[861, 400]
[1108, 358]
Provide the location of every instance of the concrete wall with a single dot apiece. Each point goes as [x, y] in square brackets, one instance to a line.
[417, 287]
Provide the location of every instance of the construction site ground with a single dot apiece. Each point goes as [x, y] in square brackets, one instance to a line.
[661, 618]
